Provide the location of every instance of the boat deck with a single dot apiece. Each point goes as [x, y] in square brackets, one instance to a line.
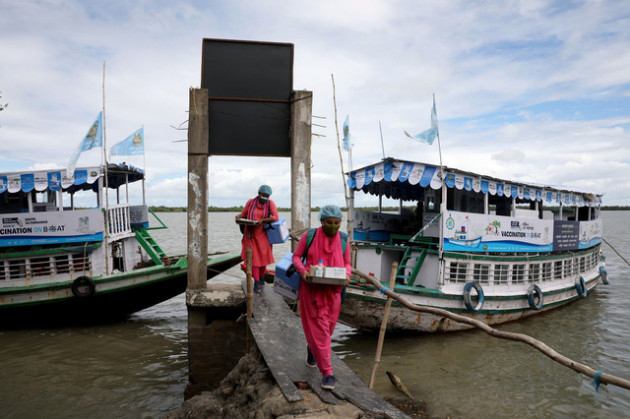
[279, 336]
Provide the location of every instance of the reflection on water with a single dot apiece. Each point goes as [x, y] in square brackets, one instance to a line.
[139, 368]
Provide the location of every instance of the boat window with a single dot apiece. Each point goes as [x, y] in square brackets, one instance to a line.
[583, 264]
[62, 264]
[518, 273]
[568, 267]
[3, 274]
[40, 266]
[80, 263]
[11, 203]
[17, 269]
[557, 269]
[457, 272]
[546, 271]
[44, 201]
[501, 274]
[481, 272]
[534, 272]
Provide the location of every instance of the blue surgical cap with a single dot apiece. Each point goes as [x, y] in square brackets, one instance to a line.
[266, 189]
[330, 211]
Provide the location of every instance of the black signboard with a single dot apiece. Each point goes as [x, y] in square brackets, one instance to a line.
[249, 86]
[566, 235]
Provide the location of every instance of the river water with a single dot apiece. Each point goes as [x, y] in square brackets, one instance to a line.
[138, 368]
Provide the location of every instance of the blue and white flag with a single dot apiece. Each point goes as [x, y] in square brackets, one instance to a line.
[346, 135]
[130, 146]
[93, 138]
[429, 135]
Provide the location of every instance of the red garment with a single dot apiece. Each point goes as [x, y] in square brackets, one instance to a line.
[320, 304]
[262, 254]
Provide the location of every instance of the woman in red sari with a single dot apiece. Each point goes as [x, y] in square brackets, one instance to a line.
[263, 210]
[319, 303]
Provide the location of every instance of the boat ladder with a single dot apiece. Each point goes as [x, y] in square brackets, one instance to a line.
[410, 265]
[154, 251]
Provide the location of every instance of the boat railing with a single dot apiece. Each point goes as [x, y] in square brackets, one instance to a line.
[420, 233]
[119, 221]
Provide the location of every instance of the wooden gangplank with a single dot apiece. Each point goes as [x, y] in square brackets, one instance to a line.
[280, 338]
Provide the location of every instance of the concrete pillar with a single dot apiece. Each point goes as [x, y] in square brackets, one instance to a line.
[198, 126]
[301, 115]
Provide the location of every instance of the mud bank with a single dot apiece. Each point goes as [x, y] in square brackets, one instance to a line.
[249, 391]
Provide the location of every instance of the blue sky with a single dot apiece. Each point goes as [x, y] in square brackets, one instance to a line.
[525, 90]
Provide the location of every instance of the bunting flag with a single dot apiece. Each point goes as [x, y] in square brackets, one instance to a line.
[346, 135]
[93, 138]
[429, 135]
[130, 146]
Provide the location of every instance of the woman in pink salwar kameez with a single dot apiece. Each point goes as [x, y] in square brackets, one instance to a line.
[319, 303]
[263, 210]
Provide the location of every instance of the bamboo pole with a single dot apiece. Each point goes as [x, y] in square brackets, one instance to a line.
[618, 254]
[250, 292]
[381, 334]
[343, 179]
[604, 378]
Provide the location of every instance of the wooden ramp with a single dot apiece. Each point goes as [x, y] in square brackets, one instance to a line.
[280, 338]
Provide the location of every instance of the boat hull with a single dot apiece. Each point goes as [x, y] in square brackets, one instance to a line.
[363, 309]
[112, 298]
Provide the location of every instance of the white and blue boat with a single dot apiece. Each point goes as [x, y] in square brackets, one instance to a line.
[491, 249]
[66, 264]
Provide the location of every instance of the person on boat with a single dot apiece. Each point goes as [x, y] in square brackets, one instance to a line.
[319, 303]
[263, 210]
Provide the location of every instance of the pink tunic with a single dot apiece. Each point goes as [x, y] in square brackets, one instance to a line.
[262, 254]
[320, 304]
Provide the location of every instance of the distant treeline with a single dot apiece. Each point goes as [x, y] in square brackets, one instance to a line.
[161, 208]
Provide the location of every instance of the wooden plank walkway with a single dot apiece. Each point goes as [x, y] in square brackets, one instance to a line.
[280, 338]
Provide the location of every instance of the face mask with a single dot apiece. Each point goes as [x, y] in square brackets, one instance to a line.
[330, 230]
[262, 199]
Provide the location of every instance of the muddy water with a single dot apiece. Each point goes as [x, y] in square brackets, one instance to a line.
[138, 368]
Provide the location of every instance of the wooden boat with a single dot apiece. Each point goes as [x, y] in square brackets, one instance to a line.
[487, 248]
[60, 264]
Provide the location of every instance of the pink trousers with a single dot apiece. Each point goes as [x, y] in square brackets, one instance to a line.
[319, 311]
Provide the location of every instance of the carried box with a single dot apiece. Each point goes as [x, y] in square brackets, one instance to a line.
[331, 276]
[278, 231]
[287, 280]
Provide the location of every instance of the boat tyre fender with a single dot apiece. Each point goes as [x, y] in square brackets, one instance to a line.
[580, 287]
[467, 298]
[83, 287]
[603, 275]
[534, 294]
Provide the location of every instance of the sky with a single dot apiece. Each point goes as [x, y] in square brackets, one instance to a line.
[531, 90]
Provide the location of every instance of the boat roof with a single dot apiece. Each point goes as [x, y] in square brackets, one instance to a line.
[404, 179]
[83, 178]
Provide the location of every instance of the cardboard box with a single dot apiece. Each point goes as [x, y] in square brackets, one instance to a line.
[279, 232]
[286, 281]
[332, 276]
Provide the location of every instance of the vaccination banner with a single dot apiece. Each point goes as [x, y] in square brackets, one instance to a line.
[21, 229]
[494, 233]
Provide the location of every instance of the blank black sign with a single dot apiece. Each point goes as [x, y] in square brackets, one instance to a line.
[250, 85]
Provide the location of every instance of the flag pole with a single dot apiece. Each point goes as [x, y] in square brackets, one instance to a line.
[345, 187]
[106, 238]
[144, 166]
[444, 194]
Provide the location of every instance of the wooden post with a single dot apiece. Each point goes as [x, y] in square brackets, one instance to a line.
[381, 334]
[250, 292]
[301, 115]
[198, 125]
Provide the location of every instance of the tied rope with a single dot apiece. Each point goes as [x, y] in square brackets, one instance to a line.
[597, 381]
[384, 290]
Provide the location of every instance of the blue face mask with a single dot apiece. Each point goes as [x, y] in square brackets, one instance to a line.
[262, 199]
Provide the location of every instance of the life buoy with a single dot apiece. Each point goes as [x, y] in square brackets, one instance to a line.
[535, 293]
[467, 298]
[603, 275]
[83, 287]
[580, 287]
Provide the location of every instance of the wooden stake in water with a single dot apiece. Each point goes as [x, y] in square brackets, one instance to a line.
[250, 292]
[381, 335]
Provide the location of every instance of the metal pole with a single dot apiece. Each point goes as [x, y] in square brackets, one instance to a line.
[250, 292]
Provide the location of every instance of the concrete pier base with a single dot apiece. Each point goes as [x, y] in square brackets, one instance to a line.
[216, 342]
